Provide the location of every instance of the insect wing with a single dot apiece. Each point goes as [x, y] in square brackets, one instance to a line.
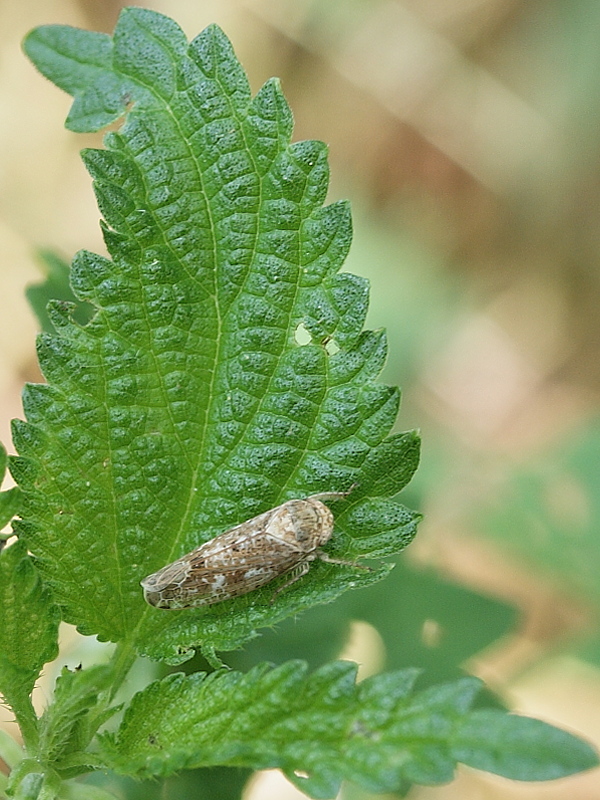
[232, 564]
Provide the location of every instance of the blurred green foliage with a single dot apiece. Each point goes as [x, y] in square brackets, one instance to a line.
[547, 515]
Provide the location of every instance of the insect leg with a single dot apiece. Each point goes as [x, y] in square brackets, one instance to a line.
[327, 558]
[333, 495]
[296, 573]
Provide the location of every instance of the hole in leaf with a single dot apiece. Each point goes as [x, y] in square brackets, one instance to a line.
[302, 335]
[331, 347]
[7, 540]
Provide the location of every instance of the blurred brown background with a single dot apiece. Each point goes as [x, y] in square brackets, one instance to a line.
[466, 135]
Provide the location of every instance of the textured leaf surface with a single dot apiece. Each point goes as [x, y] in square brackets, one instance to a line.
[323, 728]
[323, 725]
[186, 405]
[29, 629]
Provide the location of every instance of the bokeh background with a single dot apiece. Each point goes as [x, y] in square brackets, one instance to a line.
[466, 134]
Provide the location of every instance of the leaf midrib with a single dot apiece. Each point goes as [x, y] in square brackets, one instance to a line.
[193, 497]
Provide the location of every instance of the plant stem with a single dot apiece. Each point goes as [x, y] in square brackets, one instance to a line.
[122, 661]
[28, 723]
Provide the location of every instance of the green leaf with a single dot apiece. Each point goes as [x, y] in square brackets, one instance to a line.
[323, 725]
[9, 500]
[70, 721]
[186, 405]
[28, 634]
[79, 62]
[9, 506]
[520, 748]
[323, 728]
[56, 286]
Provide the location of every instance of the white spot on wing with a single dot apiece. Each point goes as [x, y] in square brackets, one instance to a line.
[252, 573]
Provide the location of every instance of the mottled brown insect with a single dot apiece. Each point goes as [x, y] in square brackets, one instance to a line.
[281, 541]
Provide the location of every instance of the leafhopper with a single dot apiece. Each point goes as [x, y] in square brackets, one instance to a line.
[282, 541]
